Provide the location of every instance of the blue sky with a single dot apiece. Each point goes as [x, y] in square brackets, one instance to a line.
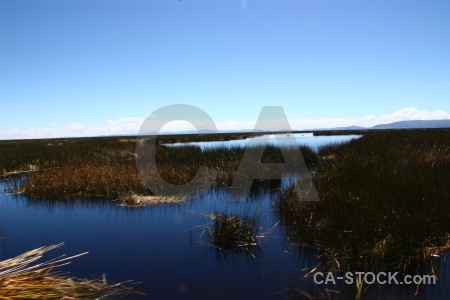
[74, 68]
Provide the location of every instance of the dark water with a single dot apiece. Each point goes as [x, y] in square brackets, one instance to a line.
[158, 246]
[162, 248]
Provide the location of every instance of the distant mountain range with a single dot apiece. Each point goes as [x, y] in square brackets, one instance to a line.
[413, 124]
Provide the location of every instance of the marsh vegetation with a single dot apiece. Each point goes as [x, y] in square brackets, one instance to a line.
[383, 197]
[384, 204]
[106, 167]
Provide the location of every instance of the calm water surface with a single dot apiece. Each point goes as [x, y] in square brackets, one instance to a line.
[303, 139]
[162, 248]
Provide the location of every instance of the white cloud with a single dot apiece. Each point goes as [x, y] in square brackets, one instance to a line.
[75, 127]
[403, 114]
[123, 121]
[234, 125]
[132, 125]
[154, 126]
[413, 113]
[120, 126]
[129, 125]
[16, 133]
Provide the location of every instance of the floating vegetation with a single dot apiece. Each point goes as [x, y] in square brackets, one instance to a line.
[233, 235]
[135, 200]
[22, 278]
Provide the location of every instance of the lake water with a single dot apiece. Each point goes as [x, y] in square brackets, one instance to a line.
[163, 248]
[302, 139]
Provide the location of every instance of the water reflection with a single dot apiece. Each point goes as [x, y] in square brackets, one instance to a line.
[303, 139]
[153, 245]
[156, 245]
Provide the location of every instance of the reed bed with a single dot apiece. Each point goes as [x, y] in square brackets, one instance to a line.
[106, 167]
[23, 277]
[19, 156]
[384, 204]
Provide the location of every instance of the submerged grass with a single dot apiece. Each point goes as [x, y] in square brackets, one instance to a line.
[229, 232]
[22, 278]
[232, 235]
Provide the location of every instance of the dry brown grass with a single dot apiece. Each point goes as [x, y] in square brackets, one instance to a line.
[384, 204]
[22, 277]
[90, 179]
[107, 167]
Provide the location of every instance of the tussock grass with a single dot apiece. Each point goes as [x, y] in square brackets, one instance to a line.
[90, 179]
[31, 155]
[231, 234]
[22, 277]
